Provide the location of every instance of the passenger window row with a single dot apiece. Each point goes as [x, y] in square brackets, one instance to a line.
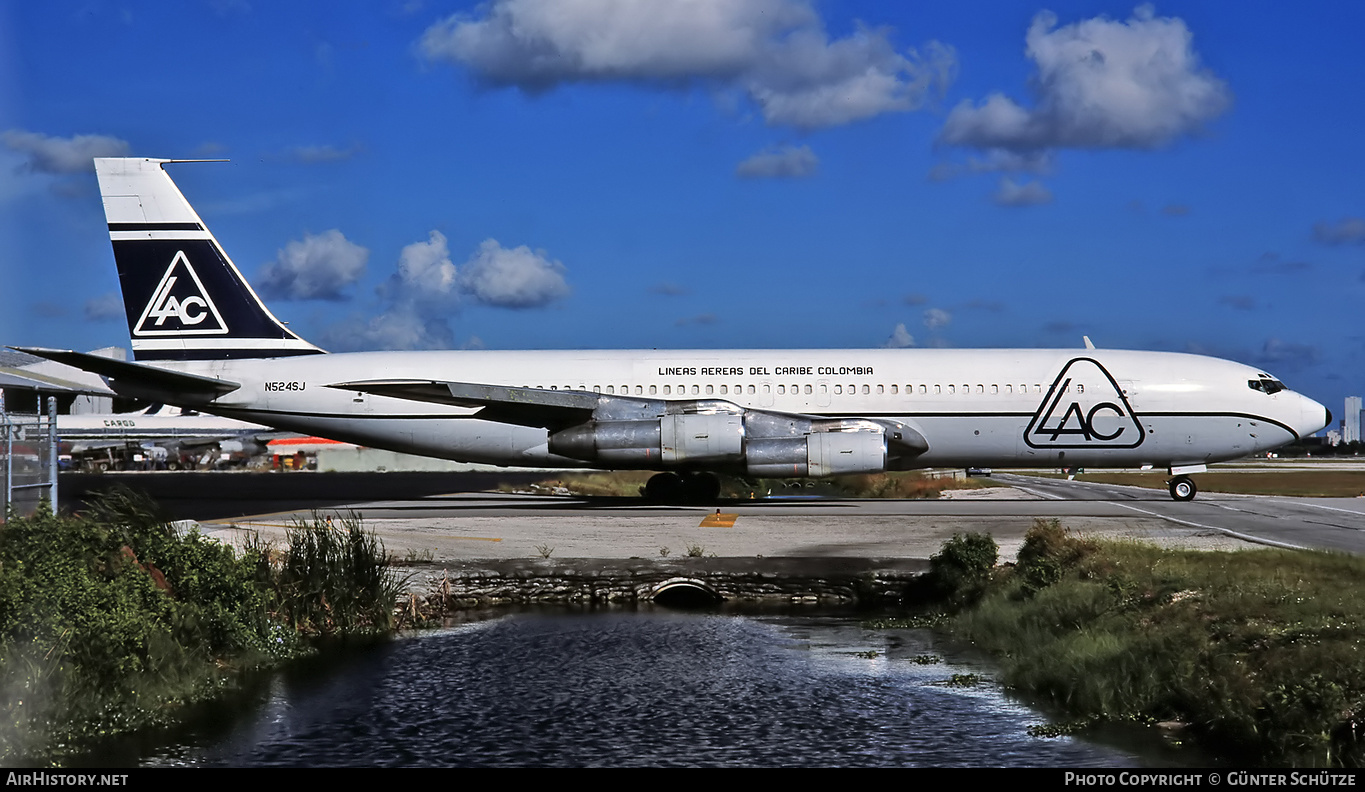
[839, 390]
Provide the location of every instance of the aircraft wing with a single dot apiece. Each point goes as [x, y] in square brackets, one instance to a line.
[556, 410]
[551, 409]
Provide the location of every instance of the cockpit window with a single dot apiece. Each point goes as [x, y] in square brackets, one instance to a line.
[1266, 385]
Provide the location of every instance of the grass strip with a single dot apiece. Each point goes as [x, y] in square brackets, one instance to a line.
[1297, 483]
[901, 485]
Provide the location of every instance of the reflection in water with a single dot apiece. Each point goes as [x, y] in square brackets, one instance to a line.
[647, 688]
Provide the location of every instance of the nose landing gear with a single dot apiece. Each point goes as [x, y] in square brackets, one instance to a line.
[1182, 488]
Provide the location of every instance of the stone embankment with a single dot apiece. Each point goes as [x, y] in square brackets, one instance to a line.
[449, 586]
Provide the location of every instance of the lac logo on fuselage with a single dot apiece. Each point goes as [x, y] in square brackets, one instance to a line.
[1084, 408]
[180, 305]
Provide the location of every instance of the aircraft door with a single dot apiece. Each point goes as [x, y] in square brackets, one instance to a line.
[822, 391]
[765, 394]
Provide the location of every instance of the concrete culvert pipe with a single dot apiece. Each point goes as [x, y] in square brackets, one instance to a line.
[685, 593]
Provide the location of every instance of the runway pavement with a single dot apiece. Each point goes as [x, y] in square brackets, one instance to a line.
[451, 516]
[476, 525]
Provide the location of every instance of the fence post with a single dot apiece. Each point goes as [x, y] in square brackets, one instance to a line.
[9, 460]
[53, 447]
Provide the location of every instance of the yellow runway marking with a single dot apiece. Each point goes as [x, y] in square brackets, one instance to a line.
[719, 520]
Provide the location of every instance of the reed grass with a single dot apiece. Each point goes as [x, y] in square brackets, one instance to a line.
[1259, 653]
[334, 578]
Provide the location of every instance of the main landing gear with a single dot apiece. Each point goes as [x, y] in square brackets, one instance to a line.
[682, 488]
[1182, 488]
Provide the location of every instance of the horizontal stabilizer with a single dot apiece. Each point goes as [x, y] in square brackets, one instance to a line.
[139, 378]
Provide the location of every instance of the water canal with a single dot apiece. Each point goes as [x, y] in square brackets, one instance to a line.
[636, 688]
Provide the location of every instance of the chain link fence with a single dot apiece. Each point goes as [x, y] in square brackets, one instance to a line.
[28, 460]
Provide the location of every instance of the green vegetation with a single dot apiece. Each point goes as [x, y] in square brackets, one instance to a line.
[961, 570]
[113, 621]
[1258, 653]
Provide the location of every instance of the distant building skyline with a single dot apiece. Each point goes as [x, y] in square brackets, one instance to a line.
[1350, 422]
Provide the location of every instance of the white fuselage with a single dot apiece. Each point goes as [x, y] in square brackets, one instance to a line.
[998, 408]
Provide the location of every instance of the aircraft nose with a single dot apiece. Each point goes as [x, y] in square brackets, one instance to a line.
[1314, 417]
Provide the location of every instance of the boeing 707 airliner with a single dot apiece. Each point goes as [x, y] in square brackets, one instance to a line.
[203, 339]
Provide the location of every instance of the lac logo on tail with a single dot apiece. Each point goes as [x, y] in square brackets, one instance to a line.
[180, 305]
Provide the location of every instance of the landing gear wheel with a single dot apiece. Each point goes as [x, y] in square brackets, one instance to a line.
[1182, 488]
[682, 488]
[664, 488]
[701, 488]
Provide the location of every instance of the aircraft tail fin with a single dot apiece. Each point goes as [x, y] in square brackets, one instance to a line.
[184, 298]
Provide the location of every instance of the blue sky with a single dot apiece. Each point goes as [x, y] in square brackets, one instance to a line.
[727, 173]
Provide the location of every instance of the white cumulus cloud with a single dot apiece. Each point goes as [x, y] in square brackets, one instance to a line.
[417, 300]
[425, 270]
[779, 162]
[314, 268]
[1100, 83]
[427, 289]
[63, 155]
[512, 277]
[776, 51]
[900, 338]
[936, 318]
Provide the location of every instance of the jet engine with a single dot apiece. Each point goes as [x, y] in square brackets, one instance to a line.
[717, 434]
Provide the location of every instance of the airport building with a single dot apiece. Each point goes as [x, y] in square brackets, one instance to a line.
[1350, 421]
